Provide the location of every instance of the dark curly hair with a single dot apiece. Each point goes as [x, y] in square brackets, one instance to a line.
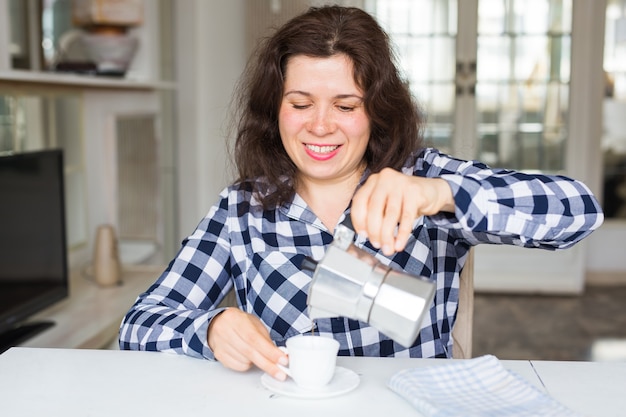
[395, 119]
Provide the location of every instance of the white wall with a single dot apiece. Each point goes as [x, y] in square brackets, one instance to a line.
[101, 108]
[607, 249]
[210, 55]
[5, 35]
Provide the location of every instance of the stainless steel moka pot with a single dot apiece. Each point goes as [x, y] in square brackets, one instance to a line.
[351, 283]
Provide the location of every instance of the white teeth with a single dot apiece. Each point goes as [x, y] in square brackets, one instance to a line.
[322, 149]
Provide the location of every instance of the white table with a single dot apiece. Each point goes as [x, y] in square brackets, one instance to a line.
[81, 382]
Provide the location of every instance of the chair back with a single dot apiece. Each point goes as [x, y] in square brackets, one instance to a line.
[463, 326]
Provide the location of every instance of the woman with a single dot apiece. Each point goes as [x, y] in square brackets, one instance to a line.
[328, 130]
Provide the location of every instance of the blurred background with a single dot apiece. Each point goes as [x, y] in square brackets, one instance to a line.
[138, 94]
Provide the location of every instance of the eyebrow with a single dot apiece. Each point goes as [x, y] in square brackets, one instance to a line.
[339, 96]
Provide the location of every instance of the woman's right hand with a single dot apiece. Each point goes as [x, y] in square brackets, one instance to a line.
[386, 206]
[239, 340]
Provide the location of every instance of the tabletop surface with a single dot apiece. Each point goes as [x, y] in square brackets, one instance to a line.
[83, 382]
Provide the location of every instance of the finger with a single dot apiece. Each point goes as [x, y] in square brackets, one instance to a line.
[233, 359]
[375, 213]
[405, 226]
[267, 356]
[389, 224]
[256, 352]
[268, 364]
[359, 206]
[230, 356]
[239, 340]
[255, 345]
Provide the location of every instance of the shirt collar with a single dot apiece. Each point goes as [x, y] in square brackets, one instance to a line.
[298, 209]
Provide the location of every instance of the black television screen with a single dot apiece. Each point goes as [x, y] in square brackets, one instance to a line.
[33, 247]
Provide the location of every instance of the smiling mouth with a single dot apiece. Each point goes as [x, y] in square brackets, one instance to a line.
[322, 149]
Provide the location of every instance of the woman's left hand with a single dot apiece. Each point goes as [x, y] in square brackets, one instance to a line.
[391, 200]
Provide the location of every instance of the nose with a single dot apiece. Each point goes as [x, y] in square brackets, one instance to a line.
[321, 122]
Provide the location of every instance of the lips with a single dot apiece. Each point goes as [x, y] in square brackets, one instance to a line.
[321, 152]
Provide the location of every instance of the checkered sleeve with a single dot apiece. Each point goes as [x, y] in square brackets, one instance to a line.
[504, 206]
[175, 312]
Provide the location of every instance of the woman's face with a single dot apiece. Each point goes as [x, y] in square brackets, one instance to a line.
[322, 120]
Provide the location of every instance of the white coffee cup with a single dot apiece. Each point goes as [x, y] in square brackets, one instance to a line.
[312, 360]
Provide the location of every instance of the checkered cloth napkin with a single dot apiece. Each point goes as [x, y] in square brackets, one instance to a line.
[473, 387]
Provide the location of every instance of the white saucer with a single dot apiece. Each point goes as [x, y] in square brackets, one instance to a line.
[344, 380]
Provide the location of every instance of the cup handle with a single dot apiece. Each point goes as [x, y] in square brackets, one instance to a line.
[284, 368]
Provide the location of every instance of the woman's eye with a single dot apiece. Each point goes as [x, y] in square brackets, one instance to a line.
[345, 108]
[300, 106]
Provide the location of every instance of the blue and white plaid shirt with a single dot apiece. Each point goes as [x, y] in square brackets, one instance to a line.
[259, 253]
